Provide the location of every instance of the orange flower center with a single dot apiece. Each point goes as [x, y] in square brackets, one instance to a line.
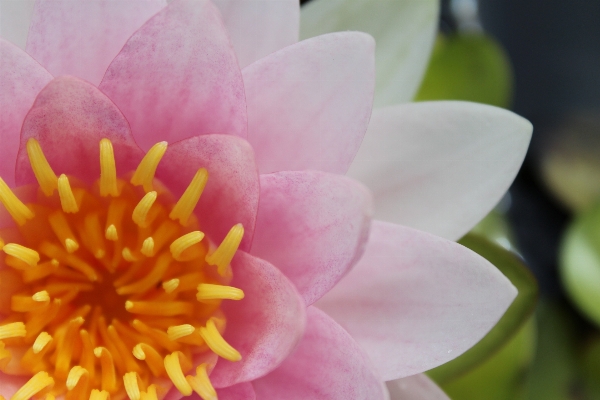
[113, 286]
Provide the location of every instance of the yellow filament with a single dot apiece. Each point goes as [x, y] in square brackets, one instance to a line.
[17, 210]
[175, 372]
[201, 383]
[170, 285]
[22, 303]
[93, 235]
[132, 388]
[124, 351]
[144, 174]
[148, 247]
[111, 233]
[128, 255]
[36, 384]
[150, 394]
[145, 352]
[99, 395]
[159, 308]
[60, 226]
[41, 296]
[67, 198]
[179, 331]
[53, 251]
[5, 356]
[75, 375]
[40, 271]
[151, 278]
[108, 170]
[207, 291]
[158, 336]
[223, 255]
[184, 242]
[109, 377]
[41, 169]
[15, 329]
[65, 347]
[186, 204]
[41, 342]
[140, 212]
[25, 254]
[217, 344]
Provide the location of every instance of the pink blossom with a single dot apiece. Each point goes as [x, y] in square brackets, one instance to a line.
[335, 303]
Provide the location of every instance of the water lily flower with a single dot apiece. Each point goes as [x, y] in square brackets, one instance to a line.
[176, 220]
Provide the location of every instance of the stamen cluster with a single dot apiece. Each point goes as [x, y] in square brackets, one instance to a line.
[112, 286]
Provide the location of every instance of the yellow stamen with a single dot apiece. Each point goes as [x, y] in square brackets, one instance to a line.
[144, 174]
[23, 303]
[201, 383]
[132, 388]
[99, 395]
[124, 352]
[75, 375]
[53, 251]
[25, 254]
[150, 279]
[217, 344]
[15, 329]
[159, 308]
[184, 242]
[207, 291]
[111, 233]
[41, 342]
[150, 394]
[140, 212]
[170, 285]
[145, 352]
[41, 169]
[158, 336]
[109, 377]
[148, 247]
[93, 235]
[66, 347]
[67, 198]
[223, 255]
[5, 357]
[108, 170]
[175, 371]
[36, 384]
[114, 218]
[40, 271]
[17, 210]
[186, 204]
[176, 332]
[35, 324]
[128, 255]
[60, 226]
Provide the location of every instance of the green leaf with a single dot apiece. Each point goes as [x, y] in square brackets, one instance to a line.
[404, 31]
[510, 323]
[580, 263]
[470, 67]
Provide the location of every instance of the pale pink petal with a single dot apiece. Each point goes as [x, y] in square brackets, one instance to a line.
[81, 38]
[260, 27]
[21, 79]
[440, 166]
[415, 301]
[265, 326]
[10, 384]
[416, 387]
[232, 192]
[68, 118]
[313, 226]
[178, 77]
[309, 104]
[15, 17]
[327, 365]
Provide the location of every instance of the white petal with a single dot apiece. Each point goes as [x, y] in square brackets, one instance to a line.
[403, 29]
[440, 166]
[15, 16]
[416, 387]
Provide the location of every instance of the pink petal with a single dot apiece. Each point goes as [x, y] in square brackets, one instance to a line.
[15, 17]
[68, 118]
[313, 226]
[21, 79]
[440, 166]
[82, 37]
[10, 384]
[258, 28]
[416, 387]
[241, 391]
[178, 77]
[327, 364]
[309, 104]
[232, 192]
[265, 326]
[415, 301]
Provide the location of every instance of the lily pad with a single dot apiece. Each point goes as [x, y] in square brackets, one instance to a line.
[510, 323]
[580, 263]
